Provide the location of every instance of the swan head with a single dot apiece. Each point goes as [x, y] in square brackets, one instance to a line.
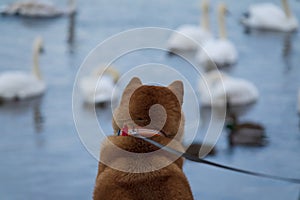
[222, 9]
[205, 5]
[38, 44]
[110, 70]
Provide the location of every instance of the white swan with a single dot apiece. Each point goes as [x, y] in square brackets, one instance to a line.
[15, 85]
[218, 89]
[220, 51]
[189, 37]
[95, 90]
[37, 9]
[270, 17]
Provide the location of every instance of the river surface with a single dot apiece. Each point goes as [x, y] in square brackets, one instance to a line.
[41, 154]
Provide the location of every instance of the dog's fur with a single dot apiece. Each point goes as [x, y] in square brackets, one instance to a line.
[168, 182]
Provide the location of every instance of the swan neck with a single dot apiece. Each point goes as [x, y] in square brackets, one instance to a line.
[36, 67]
[286, 8]
[205, 16]
[222, 25]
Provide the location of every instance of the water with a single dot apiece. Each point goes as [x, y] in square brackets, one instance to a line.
[41, 153]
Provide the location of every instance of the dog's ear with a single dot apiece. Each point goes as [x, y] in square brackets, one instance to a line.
[122, 111]
[177, 88]
[131, 87]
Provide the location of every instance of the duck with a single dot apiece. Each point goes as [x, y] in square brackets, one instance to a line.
[245, 134]
[220, 51]
[37, 9]
[18, 85]
[188, 37]
[97, 88]
[219, 89]
[268, 16]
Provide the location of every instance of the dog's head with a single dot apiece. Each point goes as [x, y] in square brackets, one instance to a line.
[153, 107]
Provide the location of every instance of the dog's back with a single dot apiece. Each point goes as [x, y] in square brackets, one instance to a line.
[166, 183]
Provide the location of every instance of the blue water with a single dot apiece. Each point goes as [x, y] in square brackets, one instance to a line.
[41, 154]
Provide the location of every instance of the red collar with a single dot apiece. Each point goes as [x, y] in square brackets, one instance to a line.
[137, 130]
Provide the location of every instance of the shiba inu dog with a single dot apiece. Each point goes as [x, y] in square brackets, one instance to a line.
[129, 167]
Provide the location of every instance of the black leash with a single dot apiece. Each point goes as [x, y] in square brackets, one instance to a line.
[200, 160]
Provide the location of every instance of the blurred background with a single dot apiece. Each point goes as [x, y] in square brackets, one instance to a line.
[41, 154]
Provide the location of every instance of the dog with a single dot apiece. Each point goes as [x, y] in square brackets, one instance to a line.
[130, 168]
